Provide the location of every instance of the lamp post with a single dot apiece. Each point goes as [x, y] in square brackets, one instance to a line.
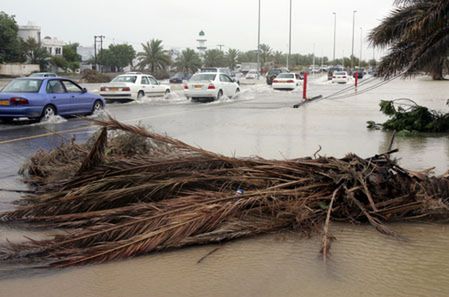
[353, 28]
[258, 42]
[335, 33]
[361, 46]
[290, 37]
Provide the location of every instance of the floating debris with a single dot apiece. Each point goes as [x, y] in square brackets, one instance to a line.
[130, 192]
[407, 117]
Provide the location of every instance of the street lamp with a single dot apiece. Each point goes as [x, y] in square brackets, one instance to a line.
[353, 28]
[258, 42]
[361, 46]
[290, 37]
[335, 33]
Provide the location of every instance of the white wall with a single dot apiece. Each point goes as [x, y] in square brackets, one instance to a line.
[18, 69]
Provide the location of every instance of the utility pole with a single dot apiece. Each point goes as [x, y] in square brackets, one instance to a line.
[95, 51]
[100, 38]
[221, 46]
[290, 37]
[335, 33]
[353, 28]
[258, 42]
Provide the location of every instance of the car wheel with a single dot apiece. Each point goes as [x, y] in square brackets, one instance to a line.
[140, 95]
[167, 92]
[48, 112]
[98, 105]
[220, 94]
[237, 91]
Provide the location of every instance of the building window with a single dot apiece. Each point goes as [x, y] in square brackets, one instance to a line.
[58, 51]
[50, 50]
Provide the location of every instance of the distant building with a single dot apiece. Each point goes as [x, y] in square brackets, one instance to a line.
[86, 52]
[30, 31]
[202, 42]
[52, 45]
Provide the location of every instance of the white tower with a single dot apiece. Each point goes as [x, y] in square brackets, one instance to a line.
[202, 42]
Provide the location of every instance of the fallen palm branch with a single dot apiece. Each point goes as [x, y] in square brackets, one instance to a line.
[130, 192]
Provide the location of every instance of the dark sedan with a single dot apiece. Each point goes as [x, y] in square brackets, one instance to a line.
[41, 98]
[180, 77]
[273, 73]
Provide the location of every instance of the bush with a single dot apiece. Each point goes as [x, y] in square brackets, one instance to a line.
[92, 76]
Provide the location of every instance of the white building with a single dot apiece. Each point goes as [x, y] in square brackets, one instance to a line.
[53, 45]
[202, 42]
[30, 31]
[86, 52]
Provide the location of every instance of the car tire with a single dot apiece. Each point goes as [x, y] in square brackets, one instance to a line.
[219, 95]
[140, 95]
[167, 92]
[98, 105]
[47, 112]
[7, 120]
[237, 91]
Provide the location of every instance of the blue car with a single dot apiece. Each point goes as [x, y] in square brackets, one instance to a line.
[43, 97]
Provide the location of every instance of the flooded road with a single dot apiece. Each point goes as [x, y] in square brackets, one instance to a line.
[260, 122]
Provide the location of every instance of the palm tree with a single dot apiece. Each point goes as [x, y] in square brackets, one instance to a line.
[417, 35]
[265, 53]
[35, 53]
[231, 57]
[153, 55]
[214, 58]
[188, 61]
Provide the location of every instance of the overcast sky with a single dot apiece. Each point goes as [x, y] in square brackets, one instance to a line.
[229, 22]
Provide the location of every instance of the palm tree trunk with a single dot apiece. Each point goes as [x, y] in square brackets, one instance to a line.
[437, 70]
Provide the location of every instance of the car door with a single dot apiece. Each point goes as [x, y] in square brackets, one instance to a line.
[228, 87]
[146, 86]
[81, 101]
[156, 88]
[58, 96]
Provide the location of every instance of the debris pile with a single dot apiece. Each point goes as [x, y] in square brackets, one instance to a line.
[117, 201]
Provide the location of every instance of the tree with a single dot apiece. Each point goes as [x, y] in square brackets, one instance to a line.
[10, 44]
[265, 53]
[214, 58]
[247, 57]
[117, 56]
[35, 53]
[232, 56]
[279, 58]
[153, 55]
[188, 61]
[417, 35]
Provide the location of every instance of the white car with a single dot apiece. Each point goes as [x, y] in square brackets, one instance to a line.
[286, 81]
[210, 86]
[133, 86]
[340, 77]
[252, 74]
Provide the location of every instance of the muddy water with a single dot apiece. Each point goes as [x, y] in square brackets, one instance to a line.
[363, 262]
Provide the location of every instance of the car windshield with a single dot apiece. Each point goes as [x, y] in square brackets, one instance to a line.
[209, 70]
[286, 75]
[125, 79]
[23, 86]
[340, 73]
[203, 77]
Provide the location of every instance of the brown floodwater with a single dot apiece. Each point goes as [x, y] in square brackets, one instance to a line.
[362, 262]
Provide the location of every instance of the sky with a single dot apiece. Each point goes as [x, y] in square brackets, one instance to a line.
[232, 23]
